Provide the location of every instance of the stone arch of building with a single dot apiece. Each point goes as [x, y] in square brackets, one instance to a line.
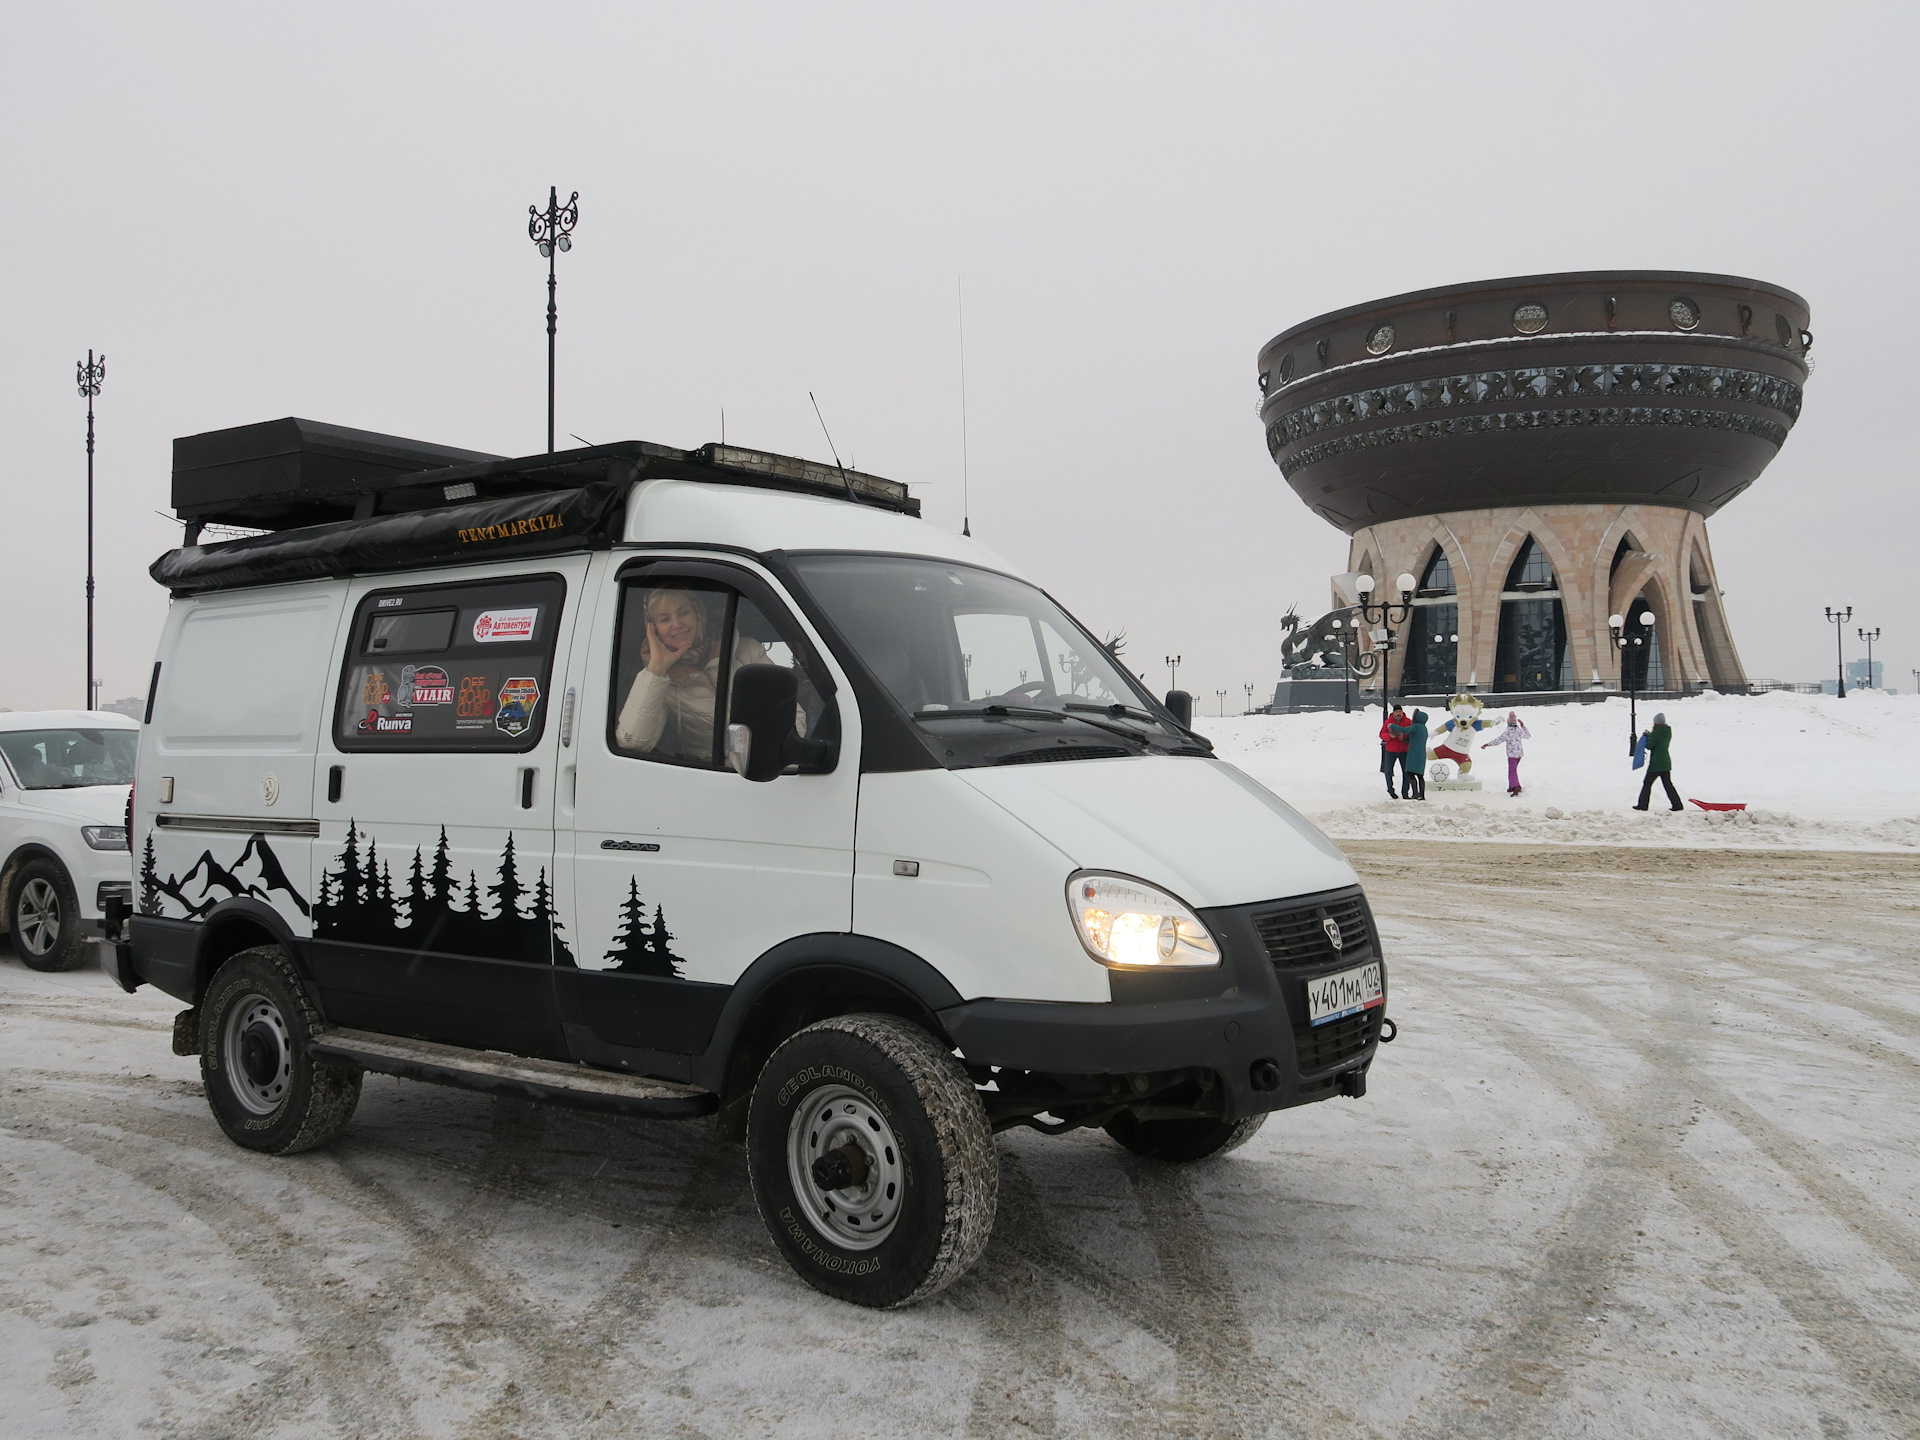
[1530, 522]
[1720, 661]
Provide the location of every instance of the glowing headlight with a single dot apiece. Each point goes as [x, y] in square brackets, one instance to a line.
[1128, 924]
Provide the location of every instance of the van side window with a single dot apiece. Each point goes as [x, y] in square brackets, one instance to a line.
[450, 667]
[669, 683]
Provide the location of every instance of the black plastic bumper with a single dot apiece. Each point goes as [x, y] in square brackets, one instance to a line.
[1245, 1021]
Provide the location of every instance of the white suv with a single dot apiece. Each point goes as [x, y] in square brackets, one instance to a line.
[65, 778]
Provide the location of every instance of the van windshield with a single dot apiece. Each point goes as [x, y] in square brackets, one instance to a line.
[69, 759]
[987, 666]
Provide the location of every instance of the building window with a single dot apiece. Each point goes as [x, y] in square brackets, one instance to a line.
[1531, 651]
[1433, 639]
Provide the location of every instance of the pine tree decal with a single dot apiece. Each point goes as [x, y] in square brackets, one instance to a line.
[473, 896]
[640, 948]
[660, 946]
[547, 918]
[149, 883]
[441, 880]
[506, 894]
[416, 894]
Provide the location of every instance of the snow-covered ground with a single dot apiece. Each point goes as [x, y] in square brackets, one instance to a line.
[1816, 772]
[1640, 1165]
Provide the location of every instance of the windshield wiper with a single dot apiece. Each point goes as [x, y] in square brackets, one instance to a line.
[996, 712]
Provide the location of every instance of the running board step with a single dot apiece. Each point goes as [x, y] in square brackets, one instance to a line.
[551, 1081]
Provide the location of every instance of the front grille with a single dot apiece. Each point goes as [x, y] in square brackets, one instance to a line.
[1065, 752]
[110, 888]
[1321, 1047]
[1296, 938]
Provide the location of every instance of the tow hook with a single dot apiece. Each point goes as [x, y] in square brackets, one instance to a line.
[1389, 1032]
[1264, 1075]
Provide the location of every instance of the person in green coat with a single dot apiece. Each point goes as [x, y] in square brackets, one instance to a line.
[1659, 742]
[1413, 774]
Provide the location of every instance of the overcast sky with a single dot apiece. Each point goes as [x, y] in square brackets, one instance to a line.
[259, 211]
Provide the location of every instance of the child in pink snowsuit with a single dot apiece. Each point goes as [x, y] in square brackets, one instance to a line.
[1513, 735]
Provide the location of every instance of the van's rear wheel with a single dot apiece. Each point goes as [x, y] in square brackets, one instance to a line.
[265, 1090]
[44, 916]
[1182, 1140]
[872, 1160]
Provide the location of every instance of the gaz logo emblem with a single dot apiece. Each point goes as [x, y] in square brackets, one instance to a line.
[1332, 927]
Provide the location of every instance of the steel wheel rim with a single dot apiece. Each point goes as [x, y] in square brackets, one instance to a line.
[257, 1050]
[37, 920]
[858, 1216]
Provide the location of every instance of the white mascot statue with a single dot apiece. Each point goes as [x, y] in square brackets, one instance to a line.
[1454, 743]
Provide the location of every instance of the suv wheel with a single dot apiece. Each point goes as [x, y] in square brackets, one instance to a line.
[44, 916]
[265, 1090]
[872, 1160]
[1182, 1140]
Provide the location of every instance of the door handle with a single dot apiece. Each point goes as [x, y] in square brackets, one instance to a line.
[526, 787]
[566, 721]
[336, 779]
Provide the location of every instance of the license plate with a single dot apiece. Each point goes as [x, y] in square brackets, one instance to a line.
[1334, 997]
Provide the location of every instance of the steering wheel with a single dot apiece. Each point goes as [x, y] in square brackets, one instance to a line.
[1032, 690]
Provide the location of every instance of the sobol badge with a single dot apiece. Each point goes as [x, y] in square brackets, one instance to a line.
[518, 696]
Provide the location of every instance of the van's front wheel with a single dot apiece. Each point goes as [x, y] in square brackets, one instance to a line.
[1182, 1140]
[872, 1160]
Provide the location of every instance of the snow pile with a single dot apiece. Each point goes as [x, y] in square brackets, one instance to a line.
[1816, 772]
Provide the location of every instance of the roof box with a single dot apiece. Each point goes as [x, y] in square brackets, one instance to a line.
[294, 472]
[289, 474]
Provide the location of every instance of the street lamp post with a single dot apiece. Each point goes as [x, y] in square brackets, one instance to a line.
[89, 374]
[1173, 672]
[1223, 703]
[1618, 624]
[1870, 636]
[551, 230]
[1839, 618]
[1247, 685]
[1382, 616]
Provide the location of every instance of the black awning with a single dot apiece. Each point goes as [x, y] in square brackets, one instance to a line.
[542, 523]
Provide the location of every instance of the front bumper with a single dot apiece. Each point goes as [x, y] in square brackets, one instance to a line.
[1245, 1022]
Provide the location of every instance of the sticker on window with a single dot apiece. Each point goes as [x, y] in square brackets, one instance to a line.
[493, 626]
[378, 724]
[517, 699]
[424, 685]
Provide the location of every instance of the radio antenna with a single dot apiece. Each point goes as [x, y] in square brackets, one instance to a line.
[836, 454]
[966, 491]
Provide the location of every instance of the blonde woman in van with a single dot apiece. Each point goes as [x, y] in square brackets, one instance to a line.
[669, 707]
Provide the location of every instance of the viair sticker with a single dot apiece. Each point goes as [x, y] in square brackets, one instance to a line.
[424, 685]
[518, 696]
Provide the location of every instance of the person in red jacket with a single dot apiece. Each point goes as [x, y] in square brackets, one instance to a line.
[1393, 747]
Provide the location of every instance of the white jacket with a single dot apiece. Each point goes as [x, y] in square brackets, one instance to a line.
[1513, 735]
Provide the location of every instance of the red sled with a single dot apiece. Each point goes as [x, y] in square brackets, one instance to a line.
[1719, 805]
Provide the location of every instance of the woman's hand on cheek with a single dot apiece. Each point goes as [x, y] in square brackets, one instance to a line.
[660, 657]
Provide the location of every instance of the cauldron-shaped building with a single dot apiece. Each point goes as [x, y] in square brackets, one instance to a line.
[1541, 454]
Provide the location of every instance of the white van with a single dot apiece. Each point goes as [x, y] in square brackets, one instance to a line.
[684, 782]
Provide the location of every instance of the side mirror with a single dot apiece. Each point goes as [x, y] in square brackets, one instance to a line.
[1180, 705]
[761, 739]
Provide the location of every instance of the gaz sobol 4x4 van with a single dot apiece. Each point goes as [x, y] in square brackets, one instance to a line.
[672, 783]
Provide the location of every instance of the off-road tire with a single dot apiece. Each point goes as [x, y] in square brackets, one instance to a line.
[42, 909]
[948, 1167]
[297, 1102]
[1181, 1141]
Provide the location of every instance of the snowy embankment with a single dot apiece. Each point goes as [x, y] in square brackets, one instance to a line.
[1815, 771]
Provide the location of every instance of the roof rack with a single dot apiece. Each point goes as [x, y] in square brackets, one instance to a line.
[287, 474]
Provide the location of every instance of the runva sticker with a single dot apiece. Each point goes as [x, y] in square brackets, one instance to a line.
[517, 699]
[493, 626]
